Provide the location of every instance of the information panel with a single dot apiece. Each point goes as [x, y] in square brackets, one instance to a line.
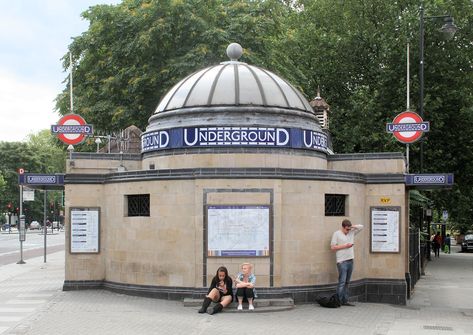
[238, 231]
[85, 230]
[385, 229]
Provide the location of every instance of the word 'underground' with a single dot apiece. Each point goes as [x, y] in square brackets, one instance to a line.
[233, 136]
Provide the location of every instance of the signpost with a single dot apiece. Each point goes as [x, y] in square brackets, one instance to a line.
[429, 180]
[445, 215]
[72, 129]
[45, 182]
[407, 127]
[22, 236]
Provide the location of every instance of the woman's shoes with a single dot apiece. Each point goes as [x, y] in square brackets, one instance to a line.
[250, 307]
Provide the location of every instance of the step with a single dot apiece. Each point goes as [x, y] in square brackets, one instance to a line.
[261, 305]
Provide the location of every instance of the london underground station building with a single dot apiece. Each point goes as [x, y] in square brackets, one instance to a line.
[235, 166]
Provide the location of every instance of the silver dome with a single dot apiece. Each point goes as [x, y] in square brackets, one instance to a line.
[233, 83]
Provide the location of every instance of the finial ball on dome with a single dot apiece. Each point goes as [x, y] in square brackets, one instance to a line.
[234, 51]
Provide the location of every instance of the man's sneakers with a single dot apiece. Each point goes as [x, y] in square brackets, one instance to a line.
[240, 307]
[348, 304]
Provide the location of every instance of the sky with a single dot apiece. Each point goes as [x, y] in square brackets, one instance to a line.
[34, 36]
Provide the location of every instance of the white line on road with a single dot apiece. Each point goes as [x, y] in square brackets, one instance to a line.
[17, 309]
[10, 318]
[24, 302]
[34, 295]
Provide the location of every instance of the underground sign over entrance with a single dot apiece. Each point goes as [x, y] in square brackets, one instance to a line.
[407, 127]
[72, 129]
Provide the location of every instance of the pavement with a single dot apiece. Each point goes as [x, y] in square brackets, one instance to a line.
[32, 302]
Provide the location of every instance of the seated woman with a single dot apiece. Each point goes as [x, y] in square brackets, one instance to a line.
[220, 291]
[245, 283]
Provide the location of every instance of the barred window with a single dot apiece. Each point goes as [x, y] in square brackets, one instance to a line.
[138, 204]
[335, 204]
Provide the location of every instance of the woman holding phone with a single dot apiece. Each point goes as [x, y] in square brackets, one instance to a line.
[220, 291]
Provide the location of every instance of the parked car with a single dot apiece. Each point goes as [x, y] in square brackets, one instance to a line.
[35, 225]
[5, 226]
[467, 243]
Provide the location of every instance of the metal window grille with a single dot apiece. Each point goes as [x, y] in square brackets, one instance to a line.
[335, 204]
[138, 205]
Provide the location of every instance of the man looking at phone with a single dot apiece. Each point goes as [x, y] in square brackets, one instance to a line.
[342, 243]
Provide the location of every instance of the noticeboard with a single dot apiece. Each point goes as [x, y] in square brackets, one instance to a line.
[22, 229]
[238, 231]
[385, 229]
[85, 230]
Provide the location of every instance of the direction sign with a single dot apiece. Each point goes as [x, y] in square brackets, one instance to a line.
[429, 180]
[72, 129]
[407, 127]
[36, 179]
[445, 215]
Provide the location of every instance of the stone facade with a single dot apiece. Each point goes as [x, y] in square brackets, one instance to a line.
[235, 135]
[165, 252]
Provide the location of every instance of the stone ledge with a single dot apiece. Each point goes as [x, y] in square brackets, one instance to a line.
[261, 305]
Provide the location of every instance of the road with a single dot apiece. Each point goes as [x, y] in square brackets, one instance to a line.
[33, 246]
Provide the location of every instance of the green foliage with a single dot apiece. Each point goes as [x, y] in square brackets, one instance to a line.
[134, 52]
[41, 154]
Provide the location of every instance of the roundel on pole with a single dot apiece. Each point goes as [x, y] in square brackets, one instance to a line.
[408, 127]
[72, 129]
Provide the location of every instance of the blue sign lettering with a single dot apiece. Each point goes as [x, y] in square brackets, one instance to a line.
[72, 129]
[154, 141]
[41, 179]
[403, 127]
[313, 139]
[232, 136]
[429, 179]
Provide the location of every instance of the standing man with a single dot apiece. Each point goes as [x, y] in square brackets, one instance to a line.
[342, 243]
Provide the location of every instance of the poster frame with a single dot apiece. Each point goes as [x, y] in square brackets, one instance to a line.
[79, 208]
[269, 223]
[390, 209]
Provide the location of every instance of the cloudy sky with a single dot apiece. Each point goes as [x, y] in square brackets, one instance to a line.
[34, 35]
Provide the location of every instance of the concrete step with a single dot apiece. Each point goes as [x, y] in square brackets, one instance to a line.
[261, 305]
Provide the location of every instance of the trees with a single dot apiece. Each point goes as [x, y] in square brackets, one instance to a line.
[41, 154]
[355, 51]
[134, 52]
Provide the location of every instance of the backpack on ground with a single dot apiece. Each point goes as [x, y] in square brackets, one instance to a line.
[329, 301]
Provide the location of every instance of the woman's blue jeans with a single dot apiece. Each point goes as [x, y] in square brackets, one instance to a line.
[344, 275]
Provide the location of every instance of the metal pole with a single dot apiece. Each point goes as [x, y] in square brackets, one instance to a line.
[45, 231]
[20, 226]
[407, 158]
[70, 86]
[421, 78]
[407, 80]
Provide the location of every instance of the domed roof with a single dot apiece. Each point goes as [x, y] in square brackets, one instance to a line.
[233, 83]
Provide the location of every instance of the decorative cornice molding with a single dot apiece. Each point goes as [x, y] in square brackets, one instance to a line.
[234, 173]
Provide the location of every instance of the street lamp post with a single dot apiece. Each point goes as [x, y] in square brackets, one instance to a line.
[448, 30]
[98, 141]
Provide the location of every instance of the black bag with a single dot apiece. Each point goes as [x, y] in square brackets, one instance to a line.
[329, 301]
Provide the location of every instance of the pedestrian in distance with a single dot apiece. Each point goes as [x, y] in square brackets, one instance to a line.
[448, 242]
[220, 292]
[437, 242]
[343, 245]
[245, 284]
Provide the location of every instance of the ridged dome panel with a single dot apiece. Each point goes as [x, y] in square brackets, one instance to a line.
[222, 94]
[233, 83]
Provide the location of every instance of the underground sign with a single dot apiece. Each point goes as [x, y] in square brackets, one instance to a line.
[72, 129]
[407, 127]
